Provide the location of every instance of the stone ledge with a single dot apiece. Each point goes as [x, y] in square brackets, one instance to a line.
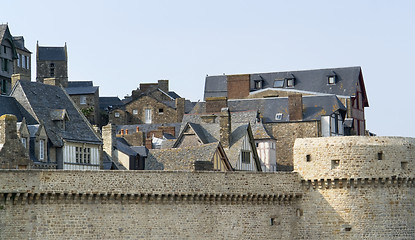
[358, 182]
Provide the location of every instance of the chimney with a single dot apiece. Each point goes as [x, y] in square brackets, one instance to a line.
[180, 108]
[8, 129]
[238, 86]
[225, 127]
[51, 81]
[163, 85]
[295, 107]
[19, 77]
[215, 104]
[149, 143]
[109, 139]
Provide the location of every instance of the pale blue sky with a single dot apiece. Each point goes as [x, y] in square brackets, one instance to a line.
[119, 44]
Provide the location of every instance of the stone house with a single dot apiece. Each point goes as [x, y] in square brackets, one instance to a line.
[86, 97]
[346, 83]
[52, 65]
[22, 65]
[233, 131]
[60, 134]
[151, 103]
[205, 157]
[278, 121]
[8, 55]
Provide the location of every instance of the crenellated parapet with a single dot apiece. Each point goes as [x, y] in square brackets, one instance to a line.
[355, 158]
[358, 183]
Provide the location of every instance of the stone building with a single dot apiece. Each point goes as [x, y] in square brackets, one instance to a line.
[62, 136]
[86, 97]
[357, 188]
[8, 55]
[151, 103]
[233, 131]
[346, 83]
[22, 65]
[52, 65]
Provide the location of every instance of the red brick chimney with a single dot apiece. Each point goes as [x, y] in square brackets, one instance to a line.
[295, 107]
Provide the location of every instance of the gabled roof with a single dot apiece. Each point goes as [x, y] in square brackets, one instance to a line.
[51, 53]
[9, 105]
[81, 87]
[41, 99]
[308, 80]
[181, 158]
[6, 35]
[18, 42]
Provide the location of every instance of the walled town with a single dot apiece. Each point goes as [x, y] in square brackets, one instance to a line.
[276, 155]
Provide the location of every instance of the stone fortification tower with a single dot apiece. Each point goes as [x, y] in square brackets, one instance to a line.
[356, 187]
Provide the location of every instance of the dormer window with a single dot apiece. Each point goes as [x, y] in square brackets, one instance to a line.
[278, 116]
[290, 82]
[331, 79]
[258, 84]
[279, 83]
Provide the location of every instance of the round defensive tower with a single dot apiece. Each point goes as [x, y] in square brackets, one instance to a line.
[356, 187]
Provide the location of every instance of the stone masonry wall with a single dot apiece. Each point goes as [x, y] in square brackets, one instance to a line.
[356, 187]
[286, 134]
[147, 205]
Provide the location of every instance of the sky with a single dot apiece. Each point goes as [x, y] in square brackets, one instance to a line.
[120, 44]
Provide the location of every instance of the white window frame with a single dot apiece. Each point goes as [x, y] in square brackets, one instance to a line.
[82, 100]
[135, 112]
[147, 116]
[18, 59]
[41, 149]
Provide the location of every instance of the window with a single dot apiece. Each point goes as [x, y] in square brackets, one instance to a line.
[23, 140]
[404, 165]
[331, 79]
[161, 110]
[135, 112]
[82, 100]
[18, 59]
[4, 49]
[147, 117]
[82, 155]
[23, 61]
[258, 84]
[290, 82]
[278, 116]
[52, 69]
[117, 114]
[279, 83]
[5, 65]
[380, 155]
[246, 157]
[308, 158]
[26, 59]
[3, 86]
[42, 149]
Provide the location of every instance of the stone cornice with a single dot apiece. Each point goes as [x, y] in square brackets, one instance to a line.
[358, 182]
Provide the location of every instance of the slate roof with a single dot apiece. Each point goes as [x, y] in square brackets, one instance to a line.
[51, 53]
[125, 148]
[43, 99]
[3, 29]
[306, 80]
[313, 107]
[18, 42]
[141, 150]
[179, 158]
[9, 105]
[6, 35]
[80, 87]
[105, 102]
[173, 95]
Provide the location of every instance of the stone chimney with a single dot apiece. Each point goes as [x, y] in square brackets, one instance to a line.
[215, 104]
[295, 107]
[180, 108]
[149, 143]
[164, 85]
[19, 77]
[51, 81]
[109, 139]
[13, 155]
[225, 127]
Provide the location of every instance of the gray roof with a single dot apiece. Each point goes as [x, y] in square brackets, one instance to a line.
[6, 35]
[81, 90]
[9, 105]
[43, 99]
[105, 102]
[125, 148]
[307, 80]
[173, 95]
[72, 84]
[52, 53]
[179, 158]
[18, 42]
[314, 107]
[141, 150]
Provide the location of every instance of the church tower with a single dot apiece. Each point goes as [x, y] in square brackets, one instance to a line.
[52, 65]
